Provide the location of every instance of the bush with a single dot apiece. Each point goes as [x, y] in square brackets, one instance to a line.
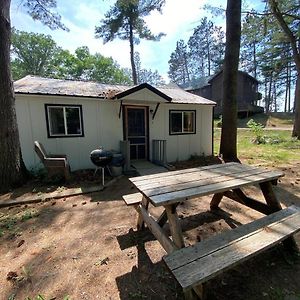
[257, 130]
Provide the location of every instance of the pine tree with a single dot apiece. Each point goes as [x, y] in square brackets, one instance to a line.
[125, 21]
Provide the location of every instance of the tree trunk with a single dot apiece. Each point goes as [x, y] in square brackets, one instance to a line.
[254, 59]
[286, 88]
[186, 67]
[269, 97]
[228, 146]
[296, 56]
[10, 159]
[296, 128]
[134, 75]
[274, 96]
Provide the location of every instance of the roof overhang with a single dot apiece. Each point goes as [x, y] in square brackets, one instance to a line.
[149, 92]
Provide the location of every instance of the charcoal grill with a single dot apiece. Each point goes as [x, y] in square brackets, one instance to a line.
[101, 159]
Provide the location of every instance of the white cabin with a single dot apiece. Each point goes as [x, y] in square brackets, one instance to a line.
[76, 117]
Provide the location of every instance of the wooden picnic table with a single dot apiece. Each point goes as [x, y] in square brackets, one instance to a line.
[195, 264]
[170, 188]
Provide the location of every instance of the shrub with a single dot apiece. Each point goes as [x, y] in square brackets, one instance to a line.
[257, 130]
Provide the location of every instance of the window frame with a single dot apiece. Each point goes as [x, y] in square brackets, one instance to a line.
[64, 106]
[182, 123]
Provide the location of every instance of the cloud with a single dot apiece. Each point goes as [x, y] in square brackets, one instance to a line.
[81, 16]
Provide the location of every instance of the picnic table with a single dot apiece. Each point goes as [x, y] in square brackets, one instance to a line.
[169, 189]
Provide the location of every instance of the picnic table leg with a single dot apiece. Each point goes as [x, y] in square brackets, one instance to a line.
[140, 222]
[163, 218]
[215, 201]
[177, 236]
[272, 201]
[174, 224]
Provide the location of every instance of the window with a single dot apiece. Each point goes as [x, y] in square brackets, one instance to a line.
[64, 120]
[182, 122]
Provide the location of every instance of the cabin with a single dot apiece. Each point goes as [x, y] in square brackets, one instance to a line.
[144, 122]
[247, 95]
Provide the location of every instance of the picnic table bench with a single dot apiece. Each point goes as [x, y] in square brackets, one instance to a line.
[196, 264]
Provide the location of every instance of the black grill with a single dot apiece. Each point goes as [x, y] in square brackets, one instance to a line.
[101, 158]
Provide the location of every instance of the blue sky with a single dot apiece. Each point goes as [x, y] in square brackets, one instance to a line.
[81, 16]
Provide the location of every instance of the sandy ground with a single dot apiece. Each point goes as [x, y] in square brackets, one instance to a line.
[86, 247]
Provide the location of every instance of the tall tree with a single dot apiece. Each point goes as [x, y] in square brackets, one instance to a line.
[11, 171]
[288, 20]
[252, 34]
[228, 146]
[179, 64]
[206, 48]
[32, 53]
[125, 21]
[86, 66]
[146, 75]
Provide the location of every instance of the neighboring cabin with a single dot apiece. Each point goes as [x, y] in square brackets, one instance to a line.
[248, 94]
[76, 117]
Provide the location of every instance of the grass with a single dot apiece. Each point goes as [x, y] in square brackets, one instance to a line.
[8, 223]
[267, 120]
[282, 149]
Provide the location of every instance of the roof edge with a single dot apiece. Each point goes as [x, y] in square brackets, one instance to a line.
[140, 87]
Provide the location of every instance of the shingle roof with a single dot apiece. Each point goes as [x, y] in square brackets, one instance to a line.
[48, 86]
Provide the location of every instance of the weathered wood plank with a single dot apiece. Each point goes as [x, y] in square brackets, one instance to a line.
[215, 201]
[269, 195]
[140, 221]
[223, 239]
[164, 180]
[156, 230]
[275, 205]
[238, 196]
[133, 199]
[203, 182]
[179, 172]
[174, 225]
[219, 187]
[241, 250]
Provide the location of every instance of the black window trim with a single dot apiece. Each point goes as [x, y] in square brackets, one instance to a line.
[182, 110]
[66, 135]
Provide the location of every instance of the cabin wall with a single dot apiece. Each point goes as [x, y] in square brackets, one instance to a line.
[103, 127]
[182, 146]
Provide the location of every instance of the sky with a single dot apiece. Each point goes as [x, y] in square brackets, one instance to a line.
[177, 21]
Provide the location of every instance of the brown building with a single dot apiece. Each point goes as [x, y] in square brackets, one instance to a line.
[247, 93]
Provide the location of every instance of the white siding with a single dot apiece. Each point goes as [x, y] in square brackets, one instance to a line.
[181, 147]
[102, 127]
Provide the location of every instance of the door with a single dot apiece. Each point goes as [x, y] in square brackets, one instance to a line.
[136, 131]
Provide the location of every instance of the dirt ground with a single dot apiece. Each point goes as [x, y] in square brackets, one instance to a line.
[86, 247]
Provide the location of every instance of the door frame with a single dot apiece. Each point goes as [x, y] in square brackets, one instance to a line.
[146, 114]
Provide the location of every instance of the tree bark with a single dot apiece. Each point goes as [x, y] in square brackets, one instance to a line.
[228, 146]
[10, 154]
[133, 68]
[296, 56]
[296, 128]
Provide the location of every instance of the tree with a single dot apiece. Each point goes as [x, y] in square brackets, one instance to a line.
[38, 54]
[179, 64]
[32, 53]
[124, 21]
[144, 75]
[206, 48]
[252, 34]
[228, 146]
[11, 170]
[289, 22]
[86, 66]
